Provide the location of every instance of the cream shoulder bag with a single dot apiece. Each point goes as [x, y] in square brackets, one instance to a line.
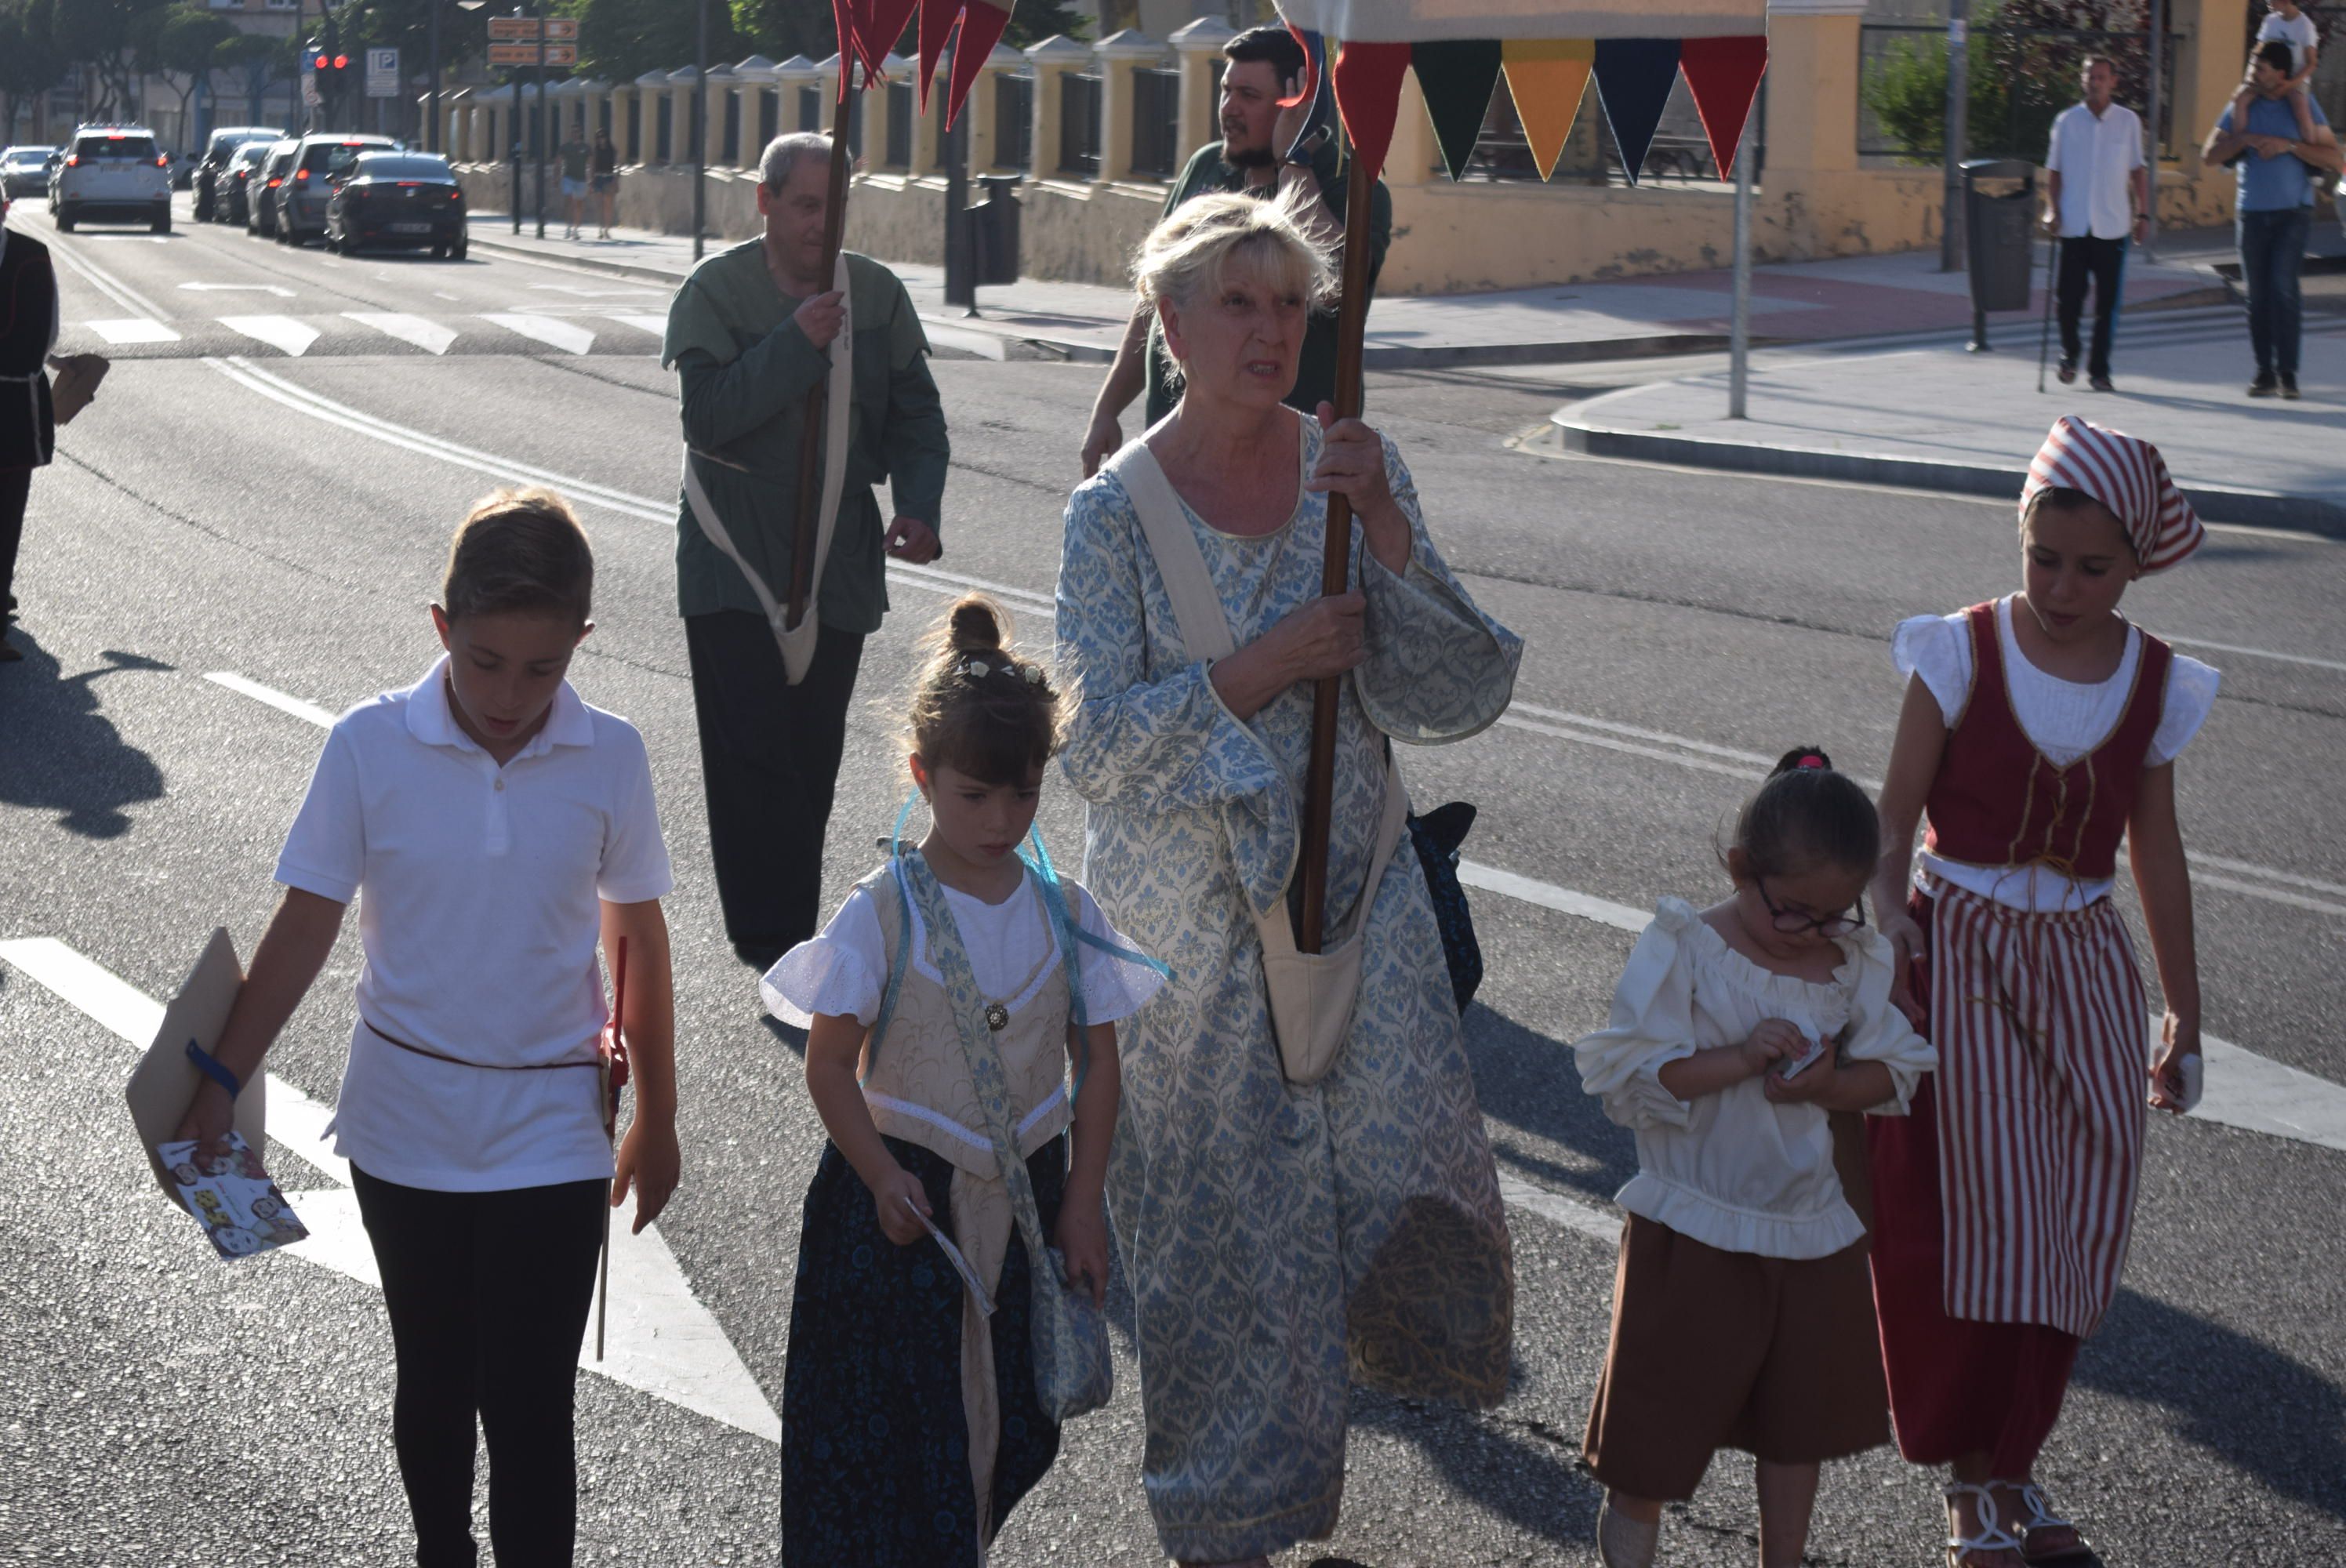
[1311, 993]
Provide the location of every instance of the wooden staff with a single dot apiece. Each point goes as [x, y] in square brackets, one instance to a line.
[810, 435]
[617, 1078]
[1319, 780]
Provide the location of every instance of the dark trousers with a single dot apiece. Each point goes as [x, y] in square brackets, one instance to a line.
[2102, 262]
[15, 486]
[770, 762]
[488, 1293]
[2272, 253]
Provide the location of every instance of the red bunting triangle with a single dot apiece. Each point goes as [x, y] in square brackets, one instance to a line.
[1368, 95]
[980, 30]
[884, 24]
[847, 19]
[1723, 75]
[936, 21]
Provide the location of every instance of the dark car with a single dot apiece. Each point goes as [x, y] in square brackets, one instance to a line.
[397, 199]
[216, 152]
[24, 170]
[261, 192]
[232, 186]
[319, 166]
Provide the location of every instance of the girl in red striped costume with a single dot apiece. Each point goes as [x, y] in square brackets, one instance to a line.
[2039, 730]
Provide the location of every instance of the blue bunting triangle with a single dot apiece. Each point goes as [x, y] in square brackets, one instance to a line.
[1634, 76]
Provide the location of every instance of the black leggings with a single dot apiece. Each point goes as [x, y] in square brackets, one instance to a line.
[488, 1294]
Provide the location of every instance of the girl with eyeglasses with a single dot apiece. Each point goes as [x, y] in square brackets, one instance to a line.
[1742, 1315]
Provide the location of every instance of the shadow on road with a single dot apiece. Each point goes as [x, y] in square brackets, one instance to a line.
[1527, 1080]
[2276, 1417]
[63, 755]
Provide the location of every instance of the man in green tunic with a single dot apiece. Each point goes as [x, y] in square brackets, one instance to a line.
[1265, 65]
[750, 334]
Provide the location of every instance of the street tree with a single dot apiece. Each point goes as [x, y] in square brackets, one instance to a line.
[181, 46]
[106, 35]
[30, 60]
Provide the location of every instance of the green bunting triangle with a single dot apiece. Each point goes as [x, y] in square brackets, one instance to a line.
[1457, 78]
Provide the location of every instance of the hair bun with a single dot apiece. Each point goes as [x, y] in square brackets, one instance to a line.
[1802, 758]
[976, 625]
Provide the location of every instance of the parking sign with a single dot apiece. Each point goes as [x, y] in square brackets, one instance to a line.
[383, 73]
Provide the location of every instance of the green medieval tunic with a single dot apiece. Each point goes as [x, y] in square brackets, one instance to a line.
[746, 371]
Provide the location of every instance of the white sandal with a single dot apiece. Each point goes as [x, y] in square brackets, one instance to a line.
[2042, 1518]
[1991, 1537]
[1623, 1542]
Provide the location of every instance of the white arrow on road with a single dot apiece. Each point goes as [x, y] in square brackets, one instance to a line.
[278, 289]
[662, 1340]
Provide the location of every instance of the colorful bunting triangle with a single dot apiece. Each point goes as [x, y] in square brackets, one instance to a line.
[883, 25]
[937, 17]
[1634, 76]
[1547, 79]
[847, 17]
[1723, 75]
[1316, 87]
[1456, 78]
[980, 30]
[1368, 95]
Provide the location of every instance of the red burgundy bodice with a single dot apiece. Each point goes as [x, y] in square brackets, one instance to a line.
[1996, 800]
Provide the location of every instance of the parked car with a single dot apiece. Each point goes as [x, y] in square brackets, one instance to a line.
[319, 163]
[216, 152]
[113, 170]
[24, 170]
[268, 179]
[397, 199]
[232, 189]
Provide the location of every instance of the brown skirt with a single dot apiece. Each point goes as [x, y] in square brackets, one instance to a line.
[1715, 1350]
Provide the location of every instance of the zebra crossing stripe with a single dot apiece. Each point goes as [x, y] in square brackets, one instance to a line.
[283, 332]
[430, 336]
[133, 329]
[564, 335]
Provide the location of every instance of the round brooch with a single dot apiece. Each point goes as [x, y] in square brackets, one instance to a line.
[997, 1017]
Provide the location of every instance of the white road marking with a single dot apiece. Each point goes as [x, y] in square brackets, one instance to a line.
[559, 334]
[105, 283]
[272, 697]
[278, 289]
[662, 1340]
[1548, 895]
[1587, 730]
[430, 336]
[656, 325]
[1573, 1214]
[278, 331]
[133, 329]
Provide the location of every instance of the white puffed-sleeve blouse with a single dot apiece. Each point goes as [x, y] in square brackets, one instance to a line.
[1733, 1170]
[2064, 719]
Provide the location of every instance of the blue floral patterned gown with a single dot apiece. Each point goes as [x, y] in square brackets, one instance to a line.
[1281, 1241]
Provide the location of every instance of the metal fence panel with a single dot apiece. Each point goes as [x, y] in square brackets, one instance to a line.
[1079, 125]
[1156, 123]
[1014, 121]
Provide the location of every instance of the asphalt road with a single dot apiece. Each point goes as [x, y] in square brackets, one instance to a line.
[228, 507]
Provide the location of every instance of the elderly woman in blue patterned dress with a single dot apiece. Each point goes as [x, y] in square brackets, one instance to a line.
[1282, 1242]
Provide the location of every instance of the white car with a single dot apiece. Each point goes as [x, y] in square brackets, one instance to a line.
[113, 170]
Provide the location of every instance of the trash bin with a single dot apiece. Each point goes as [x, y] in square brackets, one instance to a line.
[993, 228]
[1999, 236]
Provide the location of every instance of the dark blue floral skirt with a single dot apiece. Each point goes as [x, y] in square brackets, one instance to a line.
[875, 1442]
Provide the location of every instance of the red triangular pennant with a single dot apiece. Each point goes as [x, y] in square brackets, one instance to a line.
[937, 20]
[883, 27]
[1723, 75]
[847, 20]
[1368, 95]
[980, 29]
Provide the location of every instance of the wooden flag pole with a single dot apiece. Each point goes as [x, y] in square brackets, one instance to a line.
[810, 435]
[1319, 780]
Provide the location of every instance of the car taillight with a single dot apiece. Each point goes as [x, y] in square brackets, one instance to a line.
[457, 196]
[162, 162]
[304, 174]
[73, 160]
[274, 183]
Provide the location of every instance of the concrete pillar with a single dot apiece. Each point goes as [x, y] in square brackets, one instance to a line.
[1120, 55]
[754, 86]
[720, 94]
[1052, 58]
[983, 154]
[1199, 47]
[791, 77]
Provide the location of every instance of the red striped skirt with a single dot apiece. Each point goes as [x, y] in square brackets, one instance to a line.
[2039, 1020]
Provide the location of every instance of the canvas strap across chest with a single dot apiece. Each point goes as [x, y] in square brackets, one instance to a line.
[796, 642]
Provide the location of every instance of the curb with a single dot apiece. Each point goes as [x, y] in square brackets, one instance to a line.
[588, 263]
[2263, 508]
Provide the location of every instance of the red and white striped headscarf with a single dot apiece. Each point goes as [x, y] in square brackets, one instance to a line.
[2125, 473]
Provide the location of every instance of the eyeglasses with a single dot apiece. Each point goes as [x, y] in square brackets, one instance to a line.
[1792, 922]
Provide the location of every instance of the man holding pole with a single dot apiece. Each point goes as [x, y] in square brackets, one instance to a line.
[757, 334]
[1265, 66]
[2096, 198]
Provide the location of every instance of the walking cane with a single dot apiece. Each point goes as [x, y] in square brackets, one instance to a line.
[614, 1076]
[2045, 337]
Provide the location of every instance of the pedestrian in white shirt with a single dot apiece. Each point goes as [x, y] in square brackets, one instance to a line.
[494, 830]
[1742, 1311]
[2096, 198]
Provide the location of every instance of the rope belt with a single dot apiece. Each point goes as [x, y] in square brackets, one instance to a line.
[483, 1066]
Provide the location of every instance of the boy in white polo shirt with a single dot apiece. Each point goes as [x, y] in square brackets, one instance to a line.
[499, 829]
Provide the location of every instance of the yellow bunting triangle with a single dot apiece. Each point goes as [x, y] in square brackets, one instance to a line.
[1546, 77]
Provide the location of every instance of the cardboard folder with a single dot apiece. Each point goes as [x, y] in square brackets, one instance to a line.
[165, 1082]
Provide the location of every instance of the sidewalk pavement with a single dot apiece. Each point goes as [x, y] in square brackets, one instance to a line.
[1687, 313]
[1936, 417]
